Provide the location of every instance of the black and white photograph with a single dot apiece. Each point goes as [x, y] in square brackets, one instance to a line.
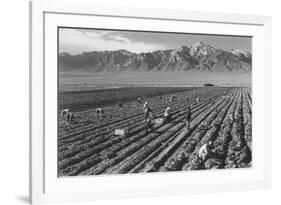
[134, 101]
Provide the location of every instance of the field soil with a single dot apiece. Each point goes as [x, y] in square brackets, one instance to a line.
[88, 145]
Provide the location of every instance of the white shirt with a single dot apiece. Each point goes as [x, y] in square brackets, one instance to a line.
[145, 105]
[203, 150]
[167, 112]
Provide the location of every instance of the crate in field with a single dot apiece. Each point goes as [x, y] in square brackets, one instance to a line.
[120, 132]
[159, 121]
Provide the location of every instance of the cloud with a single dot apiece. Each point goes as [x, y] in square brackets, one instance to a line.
[77, 41]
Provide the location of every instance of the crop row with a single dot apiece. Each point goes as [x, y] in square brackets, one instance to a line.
[93, 157]
[125, 161]
[238, 154]
[134, 115]
[178, 150]
[115, 114]
[223, 119]
[207, 129]
[93, 139]
[86, 119]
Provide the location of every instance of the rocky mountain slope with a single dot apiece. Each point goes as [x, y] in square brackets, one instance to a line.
[197, 57]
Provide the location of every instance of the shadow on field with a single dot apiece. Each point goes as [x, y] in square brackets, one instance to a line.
[24, 199]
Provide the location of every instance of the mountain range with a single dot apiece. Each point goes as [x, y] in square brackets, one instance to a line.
[197, 57]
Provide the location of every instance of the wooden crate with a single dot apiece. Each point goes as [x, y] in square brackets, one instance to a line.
[159, 121]
[120, 132]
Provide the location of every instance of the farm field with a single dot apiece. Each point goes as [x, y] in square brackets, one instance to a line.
[87, 99]
[88, 145]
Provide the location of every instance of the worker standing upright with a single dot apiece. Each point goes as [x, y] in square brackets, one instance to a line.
[120, 104]
[148, 116]
[145, 105]
[198, 99]
[188, 117]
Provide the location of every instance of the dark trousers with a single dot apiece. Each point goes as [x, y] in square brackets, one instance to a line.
[148, 126]
[167, 118]
[187, 122]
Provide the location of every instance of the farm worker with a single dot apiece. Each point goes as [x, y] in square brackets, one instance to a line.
[139, 99]
[145, 105]
[172, 98]
[188, 117]
[72, 117]
[198, 99]
[148, 116]
[204, 151]
[64, 112]
[120, 104]
[167, 115]
[99, 112]
[69, 117]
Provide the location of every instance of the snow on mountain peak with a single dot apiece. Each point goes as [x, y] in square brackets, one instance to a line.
[239, 52]
[201, 48]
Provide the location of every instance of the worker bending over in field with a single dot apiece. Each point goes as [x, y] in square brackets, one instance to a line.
[70, 117]
[172, 98]
[99, 112]
[205, 150]
[139, 100]
[167, 115]
[64, 112]
[188, 117]
[148, 116]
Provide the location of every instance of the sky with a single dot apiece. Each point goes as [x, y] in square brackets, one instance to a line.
[76, 41]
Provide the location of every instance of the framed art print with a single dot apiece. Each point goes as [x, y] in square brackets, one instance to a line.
[132, 102]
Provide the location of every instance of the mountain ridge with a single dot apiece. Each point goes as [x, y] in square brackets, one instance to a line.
[197, 57]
